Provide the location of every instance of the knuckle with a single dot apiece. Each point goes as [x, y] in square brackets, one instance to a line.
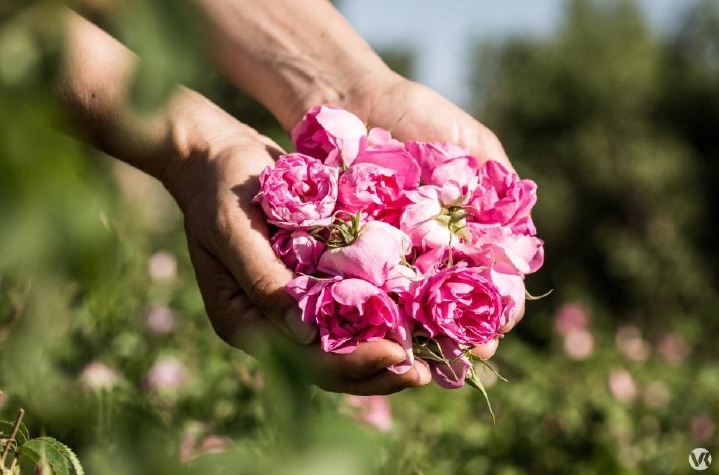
[264, 291]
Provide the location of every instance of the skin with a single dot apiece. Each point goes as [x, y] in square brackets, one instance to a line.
[210, 162]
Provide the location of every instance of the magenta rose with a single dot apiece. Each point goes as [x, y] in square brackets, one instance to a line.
[461, 303]
[378, 248]
[390, 154]
[298, 193]
[374, 190]
[350, 311]
[501, 198]
[297, 249]
[330, 134]
[450, 376]
[441, 162]
[441, 257]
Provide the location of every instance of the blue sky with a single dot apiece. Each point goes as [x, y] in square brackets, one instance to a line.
[440, 32]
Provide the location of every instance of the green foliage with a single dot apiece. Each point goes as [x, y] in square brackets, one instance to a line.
[53, 453]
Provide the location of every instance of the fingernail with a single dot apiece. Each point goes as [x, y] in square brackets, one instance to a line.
[302, 332]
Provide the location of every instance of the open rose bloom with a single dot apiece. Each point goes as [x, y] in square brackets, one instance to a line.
[418, 243]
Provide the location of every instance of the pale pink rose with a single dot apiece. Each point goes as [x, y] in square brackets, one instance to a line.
[329, 134]
[450, 376]
[378, 136]
[378, 248]
[441, 162]
[166, 374]
[297, 249]
[578, 344]
[374, 190]
[162, 266]
[673, 348]
[622, 385]
[400, 279]
[350, 311]
[98, 376]
[372, 410]
[394, 156]
[501, 198]
[703, 428]
[161, 320]
[512, 253]
[298, 193]
[630, 343]
[459, 302]
[434, 217]
[571, 317]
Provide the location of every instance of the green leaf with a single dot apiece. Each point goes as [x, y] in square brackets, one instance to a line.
[61, 459]
[473, 380]
[6, 428]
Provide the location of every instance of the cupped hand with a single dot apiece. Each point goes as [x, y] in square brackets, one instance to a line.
[240, 278]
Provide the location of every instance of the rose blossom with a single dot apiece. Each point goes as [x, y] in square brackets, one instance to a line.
[434, 216]
[459, 302]
[298, 193]
[512, 253]
[378, 248]
[390, 154]
[502, 199]
[349, 312]
[372, 410]
[329, 134]
[373, 189]
[297, 249]
[441, 162]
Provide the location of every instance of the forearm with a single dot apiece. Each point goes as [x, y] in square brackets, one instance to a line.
[94, 83]
[291, 54]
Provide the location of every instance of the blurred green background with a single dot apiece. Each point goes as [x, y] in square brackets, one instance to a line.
[104, 341]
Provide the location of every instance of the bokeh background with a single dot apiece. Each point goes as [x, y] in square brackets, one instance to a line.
[611, 106]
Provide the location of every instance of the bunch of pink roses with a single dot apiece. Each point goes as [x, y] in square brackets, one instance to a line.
[416, 242]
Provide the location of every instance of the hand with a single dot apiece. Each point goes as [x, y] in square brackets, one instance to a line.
[241, 280]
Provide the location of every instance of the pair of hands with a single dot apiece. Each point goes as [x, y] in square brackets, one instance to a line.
[241, 280]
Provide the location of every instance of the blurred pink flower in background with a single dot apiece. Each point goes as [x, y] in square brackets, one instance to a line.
[168, 373]
[570, 317]
[702, 428]
[97, 376]
[372, 410]
[196, 441]
[673, 348]
[161, 320]
[579, 344]
[162, 266]
[630, 343]
[622, 385]
[657, 394]
[2, 399]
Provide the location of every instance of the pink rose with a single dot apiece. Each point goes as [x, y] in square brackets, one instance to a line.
[372, 410]
[297, 249]
[501, 198]
[459, 302]
[372, 189]
[450, 376]
[329, 134]
[391, 154]
[434, 216]
[510, 286]
[378, 248]
[400, 279]
[441, 162]
[349, 312]
[512, 253]
[298, 193]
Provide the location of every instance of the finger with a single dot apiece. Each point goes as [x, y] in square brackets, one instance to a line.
[486, 350]
[384, 382]
[366, 360]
